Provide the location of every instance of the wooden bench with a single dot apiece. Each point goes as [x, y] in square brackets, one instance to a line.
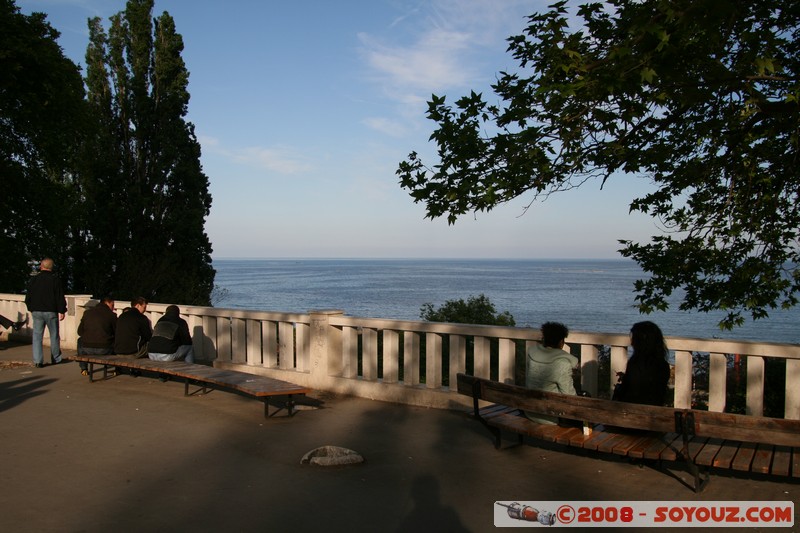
[260, 387]
[701, 439]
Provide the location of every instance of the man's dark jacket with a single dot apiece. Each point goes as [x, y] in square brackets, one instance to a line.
[170, 333]
[98, 327]
[45, 293]
[133, 331]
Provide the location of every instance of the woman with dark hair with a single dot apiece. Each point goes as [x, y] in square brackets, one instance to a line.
[647, 373]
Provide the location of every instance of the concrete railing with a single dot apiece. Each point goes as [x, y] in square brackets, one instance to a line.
[416, 362]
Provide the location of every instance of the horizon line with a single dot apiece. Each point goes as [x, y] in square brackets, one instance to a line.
[363, 258]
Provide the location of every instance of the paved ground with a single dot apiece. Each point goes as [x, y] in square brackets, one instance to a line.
[134, 454]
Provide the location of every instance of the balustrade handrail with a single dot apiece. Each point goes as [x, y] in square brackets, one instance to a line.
[416, 361]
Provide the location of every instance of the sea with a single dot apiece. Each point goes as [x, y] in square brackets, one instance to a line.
[585, 294]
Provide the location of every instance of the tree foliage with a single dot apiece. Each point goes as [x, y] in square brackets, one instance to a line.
[41, 115]
[702, 97]
[146, 236]
[475, 310]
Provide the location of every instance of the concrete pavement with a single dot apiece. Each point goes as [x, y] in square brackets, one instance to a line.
[134, 454]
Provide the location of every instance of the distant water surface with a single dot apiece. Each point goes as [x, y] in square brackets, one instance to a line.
[586, 295]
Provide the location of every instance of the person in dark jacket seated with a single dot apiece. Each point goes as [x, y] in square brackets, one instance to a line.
[96, 331]
[133, 330]
[171, 340]
[647, 373]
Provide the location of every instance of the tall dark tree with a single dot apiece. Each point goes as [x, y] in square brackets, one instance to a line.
[147, 235]
[41, 115]
[700, 96]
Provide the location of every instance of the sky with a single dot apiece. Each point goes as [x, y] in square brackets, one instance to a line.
[304, 110]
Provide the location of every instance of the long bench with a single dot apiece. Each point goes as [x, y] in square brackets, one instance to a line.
[700, 439]
[260, 387]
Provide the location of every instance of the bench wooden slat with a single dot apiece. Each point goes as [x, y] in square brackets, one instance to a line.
[625, 446]
[670, 452]
[568, 433]
[637, 450]
[781, 461]
[744, 457]
[659, 447]
[596, 439]
[696, 446]
[747, 428]
[726, 454]
[579, 440]
[709, 451]
[607, 446]
[796, 462]
[762, 460]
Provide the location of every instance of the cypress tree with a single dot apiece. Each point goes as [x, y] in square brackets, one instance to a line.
[142, 166]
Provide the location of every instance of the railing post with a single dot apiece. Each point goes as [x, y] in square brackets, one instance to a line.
[325, 353]
[391, 356]
[458, 359]
[68, 328]
[792, 407]
[589, 368]
[717, 382]
[755, 386]
[683, 379]
[433, 360]
[619, 363]
[506, 361]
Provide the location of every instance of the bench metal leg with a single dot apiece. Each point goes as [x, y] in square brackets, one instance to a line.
[684, 424]
[203, 387]
[288, 405]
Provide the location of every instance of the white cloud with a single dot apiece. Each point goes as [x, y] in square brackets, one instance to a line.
[278, 159]
[429, 64]
[439, 46]
[282, 160]
[392, 128]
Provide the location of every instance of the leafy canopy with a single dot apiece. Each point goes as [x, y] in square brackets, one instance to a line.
[41, 110]
[476, 310]
[699, 96]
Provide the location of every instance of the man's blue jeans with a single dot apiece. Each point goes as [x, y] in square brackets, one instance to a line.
[82, 350]
[185, 353]
[40, 320]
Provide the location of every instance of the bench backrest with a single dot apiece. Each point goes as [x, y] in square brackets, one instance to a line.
[633, 416]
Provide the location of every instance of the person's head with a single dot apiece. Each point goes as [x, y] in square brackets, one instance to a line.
[172, 310]
[553, 334]
[647, 340]
[46, 264]
[139, 303]
[108, 301]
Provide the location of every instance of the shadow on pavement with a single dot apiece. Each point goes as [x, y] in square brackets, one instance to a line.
[13, 393]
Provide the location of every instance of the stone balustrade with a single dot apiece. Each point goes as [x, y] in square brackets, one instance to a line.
[416, 362]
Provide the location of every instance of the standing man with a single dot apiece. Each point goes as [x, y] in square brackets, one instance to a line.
[96, 331]
[133, 330]
[46, 302]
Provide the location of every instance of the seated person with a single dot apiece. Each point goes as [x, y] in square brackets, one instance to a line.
[96, 331]
[171, 340]
[549, 368]
[647, 373]
[133, 330]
